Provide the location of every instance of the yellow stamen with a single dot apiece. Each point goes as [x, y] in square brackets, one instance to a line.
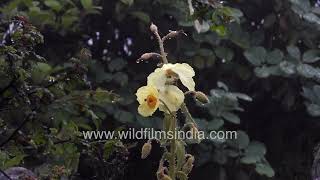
[151, 101]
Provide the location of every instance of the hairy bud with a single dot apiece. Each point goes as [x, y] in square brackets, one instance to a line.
[165, 177]
[147, 56]
[153, 28]
[201, 97]
[146, 149]
[188, 165]
[173, 34]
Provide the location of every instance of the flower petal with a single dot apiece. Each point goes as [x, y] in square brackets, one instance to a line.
[157, 78]
[173, 97]
[185, 73]
[145, 110]
[143, 92]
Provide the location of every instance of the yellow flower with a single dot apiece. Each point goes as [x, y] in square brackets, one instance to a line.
[148, 98]
[168, 73]
[172, 97]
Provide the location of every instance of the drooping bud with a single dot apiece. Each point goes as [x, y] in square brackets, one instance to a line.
[148, 56]
[188, 165]
[201, 97]
[146, 149]
[153, 28]
[173, 34]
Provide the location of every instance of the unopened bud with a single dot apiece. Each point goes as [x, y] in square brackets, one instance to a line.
[147, 56]
[201, 97]
[173, 34]
[153, 28]
[187, 167]
[146, 149]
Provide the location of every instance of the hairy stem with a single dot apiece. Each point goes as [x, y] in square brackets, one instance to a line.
[172, 160]
[161, 46]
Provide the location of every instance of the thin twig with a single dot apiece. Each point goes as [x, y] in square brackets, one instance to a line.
[27, 119]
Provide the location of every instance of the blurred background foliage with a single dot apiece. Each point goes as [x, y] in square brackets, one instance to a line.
[70, 65]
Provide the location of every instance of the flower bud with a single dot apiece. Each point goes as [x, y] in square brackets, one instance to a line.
[147, 56]
[173, 34]
[165, 177]
[153, 28]
[146, 149]
[201, 97]
[187, 167]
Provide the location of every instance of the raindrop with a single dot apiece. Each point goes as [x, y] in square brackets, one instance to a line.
[105, 51]
[108, 41]
[116, 33]
[98, 35]
[129, 41]
[223, 61]
[90, 42]
[253, 23]
[262, 21]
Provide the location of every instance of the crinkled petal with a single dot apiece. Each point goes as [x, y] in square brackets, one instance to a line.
[157, 78]
[185, 73]
[173, 97]
[143, 92]
[145, 110]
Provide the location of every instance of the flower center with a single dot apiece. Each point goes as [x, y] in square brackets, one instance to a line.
[151, 101]
[170, 74]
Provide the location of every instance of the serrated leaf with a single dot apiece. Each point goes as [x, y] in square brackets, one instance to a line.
[264, 169]
[86, 4]
[53, 4]
[256, 55]
[294, 52]
[224, 53]
[311, 56]
[231, 117]
[275, 57]
[215, 124]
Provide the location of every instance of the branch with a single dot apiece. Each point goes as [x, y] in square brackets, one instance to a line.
[27, 119]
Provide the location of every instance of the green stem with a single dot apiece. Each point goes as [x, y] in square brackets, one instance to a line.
[172, 161]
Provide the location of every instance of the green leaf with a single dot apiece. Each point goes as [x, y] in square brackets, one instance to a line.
[141, 16]
[275, 57]
[231, 117]
[264, 169]
[287, 67]
[252, 159]
[220, 30]
[241, 142]
[127, 2]
[124, 116]
[40, 71]
[294, 52]
[256, 55]
[215, 124]
[53, 4]
[308, 71]
[117, 64]
[256, 148]
[86, 4]
[224, 53]
[311, 56]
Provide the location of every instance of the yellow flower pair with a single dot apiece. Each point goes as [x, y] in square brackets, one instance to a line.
[161, 91]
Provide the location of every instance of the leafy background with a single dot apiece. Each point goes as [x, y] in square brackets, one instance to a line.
[258, 61]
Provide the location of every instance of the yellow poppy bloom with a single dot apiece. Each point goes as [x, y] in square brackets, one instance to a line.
[172, 97]
[170, 72]
[148, 98]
